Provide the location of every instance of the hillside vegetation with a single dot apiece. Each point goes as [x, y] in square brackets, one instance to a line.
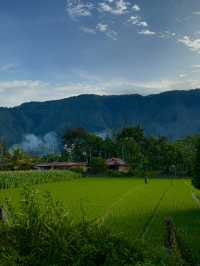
[173, 114]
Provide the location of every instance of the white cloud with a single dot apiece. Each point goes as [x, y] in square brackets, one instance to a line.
[105, 7]
[104, 28]
[112, 34]
[88, 30]
[143, 24]
[8, 67]
[82, 8]
[121, 6]
[136, 20]
[18, 91]
[147, 32]
[13, 93]
[182, 75]
[77, 8]
[195, 69]
[196, 66]
[117, 7]
[166, 34]
[136, 8]
[192, 44]
[196, 13]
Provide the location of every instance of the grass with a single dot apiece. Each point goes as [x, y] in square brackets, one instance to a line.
[129, 206]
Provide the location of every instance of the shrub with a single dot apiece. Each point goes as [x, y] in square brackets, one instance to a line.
[98, 166]
[78, 170]
[113, 173]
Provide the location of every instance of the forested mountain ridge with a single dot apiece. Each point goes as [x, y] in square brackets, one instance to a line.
[173, 114]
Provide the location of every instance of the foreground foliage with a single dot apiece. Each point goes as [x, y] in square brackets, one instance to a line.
[41, 232]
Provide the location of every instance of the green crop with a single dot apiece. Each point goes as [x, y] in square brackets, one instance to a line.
[14, 179]
[127, 205]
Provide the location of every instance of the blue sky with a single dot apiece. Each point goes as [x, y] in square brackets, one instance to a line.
[55, 49]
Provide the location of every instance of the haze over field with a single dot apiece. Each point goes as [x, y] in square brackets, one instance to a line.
[55, 49]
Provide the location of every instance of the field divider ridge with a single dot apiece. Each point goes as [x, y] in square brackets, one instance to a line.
[154, 213]
[115, 203]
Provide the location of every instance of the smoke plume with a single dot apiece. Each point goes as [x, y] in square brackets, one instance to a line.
[48, 144]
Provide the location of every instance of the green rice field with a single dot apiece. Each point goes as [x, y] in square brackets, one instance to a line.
[128, 206]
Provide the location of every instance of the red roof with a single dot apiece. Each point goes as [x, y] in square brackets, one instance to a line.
[116, 162]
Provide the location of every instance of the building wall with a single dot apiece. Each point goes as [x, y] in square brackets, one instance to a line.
[83, 167]
[123, 169]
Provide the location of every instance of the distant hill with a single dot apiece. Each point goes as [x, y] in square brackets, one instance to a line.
[173, 114]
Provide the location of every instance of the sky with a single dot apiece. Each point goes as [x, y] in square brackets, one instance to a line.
[54, 49]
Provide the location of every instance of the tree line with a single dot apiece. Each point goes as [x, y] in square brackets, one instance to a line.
[143, 153]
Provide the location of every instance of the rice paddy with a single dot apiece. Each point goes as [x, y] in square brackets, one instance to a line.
[129, 206]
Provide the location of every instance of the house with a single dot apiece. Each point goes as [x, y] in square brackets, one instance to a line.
[61, 166]
[117, 164]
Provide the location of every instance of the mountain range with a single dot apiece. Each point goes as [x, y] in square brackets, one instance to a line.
[173, 114]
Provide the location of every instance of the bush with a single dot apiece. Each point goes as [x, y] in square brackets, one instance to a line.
[78, 170]
[42, 233]
[98, 166]
[112, 173]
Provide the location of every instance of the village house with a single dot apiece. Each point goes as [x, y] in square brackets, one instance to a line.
[117, 164]
[61, 166]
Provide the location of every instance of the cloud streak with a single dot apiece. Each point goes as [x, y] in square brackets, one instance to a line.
[79, 8]
[104, 28]
[117, 7]
[110, 11]
[191, 43]
[147, 32]
[17, 92]
[8, 67]
[136, 8]
[136, 20]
